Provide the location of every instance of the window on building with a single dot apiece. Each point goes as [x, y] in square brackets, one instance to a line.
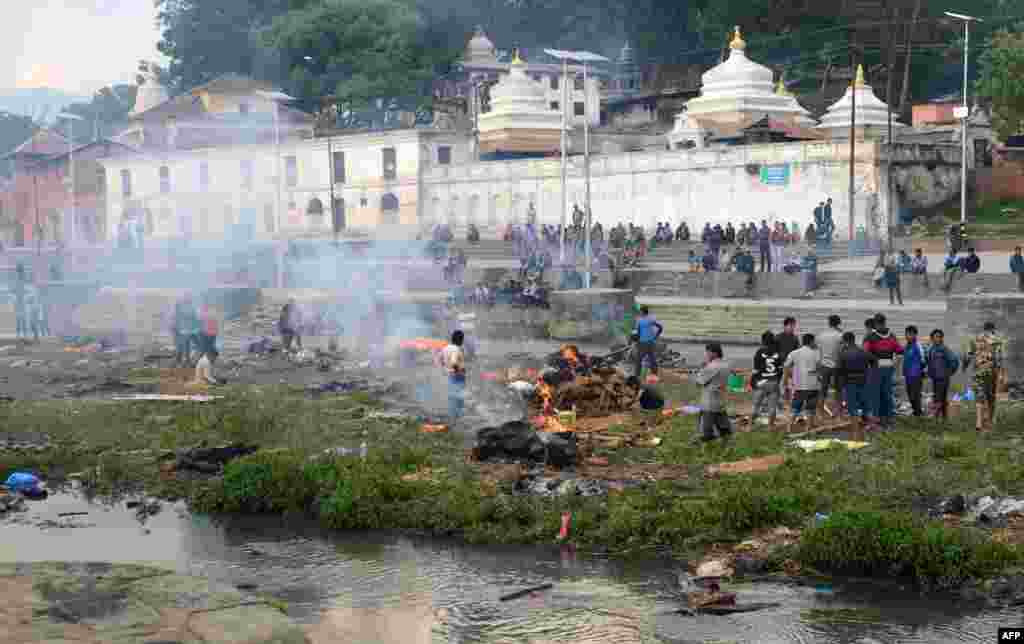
[165, 179]
[126, 183]
[291, 171]
[578, 108]
[247, 174]
[339, 167]
[204, 176]
[243, 108]
[577, 82]
[555, 105]
[390, 170]
[444, 155]
[554, 81]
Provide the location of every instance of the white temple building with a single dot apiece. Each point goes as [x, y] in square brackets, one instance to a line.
[734, 95]
[872, 118]
[519, 120]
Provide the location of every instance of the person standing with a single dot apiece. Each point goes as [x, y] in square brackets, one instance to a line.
[648, 330]
[453, 358]
[778, 245]
[891, 279]
[919, 266]
[802, 380]
[829, 343]
[765, 381]
[186, 325]
[208, 330]
[941, 364]
[289, 325]
[764, 246]
[1017, 268]
[713, 377]
[787, 341]
[854, 365]
[20, 302]
[913, 369]
[885, 347]
[986, 352]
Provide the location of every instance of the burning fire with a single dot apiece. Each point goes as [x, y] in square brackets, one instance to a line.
[547, 395]
[571, 355]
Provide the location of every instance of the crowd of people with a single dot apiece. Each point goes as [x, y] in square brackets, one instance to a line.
[860, 378]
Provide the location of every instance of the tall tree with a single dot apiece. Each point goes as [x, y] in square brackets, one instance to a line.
[358, 50]
[1002, 81]
[105, 113]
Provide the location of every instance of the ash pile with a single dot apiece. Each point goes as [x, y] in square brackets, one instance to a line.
[573, 380]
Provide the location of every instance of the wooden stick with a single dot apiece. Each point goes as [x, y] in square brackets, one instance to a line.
[526, 591]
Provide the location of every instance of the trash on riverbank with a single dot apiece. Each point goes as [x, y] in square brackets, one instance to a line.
[211, 460]
[526, 591]
[746, 466]
[22, 482]
[167, 397]
[827, 443]
[427, 428]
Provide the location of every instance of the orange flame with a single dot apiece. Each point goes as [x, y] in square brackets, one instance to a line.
[547, 395]
[571, 354]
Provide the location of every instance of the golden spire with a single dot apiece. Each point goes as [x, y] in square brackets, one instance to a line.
[516, 60]
[858, 82]
[780, 87]
[737, 40]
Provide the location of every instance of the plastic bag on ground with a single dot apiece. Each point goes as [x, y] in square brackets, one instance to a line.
[22, 482]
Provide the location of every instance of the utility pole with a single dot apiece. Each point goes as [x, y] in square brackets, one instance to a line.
[888, 181]
[853, 139]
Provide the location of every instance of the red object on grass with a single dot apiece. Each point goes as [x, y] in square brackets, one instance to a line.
[564, 532]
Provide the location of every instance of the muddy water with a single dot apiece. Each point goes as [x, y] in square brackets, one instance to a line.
[384, 588]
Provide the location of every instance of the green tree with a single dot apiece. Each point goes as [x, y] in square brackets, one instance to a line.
[104, 115]
[1002, 81]
[358, 50]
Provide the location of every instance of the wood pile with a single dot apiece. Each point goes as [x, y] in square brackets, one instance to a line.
[601, 393]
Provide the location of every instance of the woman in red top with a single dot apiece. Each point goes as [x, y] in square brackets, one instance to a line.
[208, 329]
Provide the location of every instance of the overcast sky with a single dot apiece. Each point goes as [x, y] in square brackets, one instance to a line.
[75, 45]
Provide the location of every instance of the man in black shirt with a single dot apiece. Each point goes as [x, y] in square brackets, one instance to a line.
[854, 366]
[765, 380]
[786, 342]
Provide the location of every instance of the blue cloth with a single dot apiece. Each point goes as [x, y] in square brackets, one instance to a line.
[903, 262]
[456, 396]
[22, 482]
[886, 406]
[856, 400]
[913, 361]
[647, 329]
[1016, 264]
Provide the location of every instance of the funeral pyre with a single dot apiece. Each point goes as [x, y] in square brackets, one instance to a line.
[573, 383]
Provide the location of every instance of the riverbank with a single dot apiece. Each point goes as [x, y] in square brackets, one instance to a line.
[872, 502]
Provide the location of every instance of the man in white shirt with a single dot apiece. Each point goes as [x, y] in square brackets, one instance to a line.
[453, 359]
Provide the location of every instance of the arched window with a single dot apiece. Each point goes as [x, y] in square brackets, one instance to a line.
[389, 208]
[165, 179]
[315, 207]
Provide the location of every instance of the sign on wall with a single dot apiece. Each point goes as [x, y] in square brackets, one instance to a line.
[775, 175]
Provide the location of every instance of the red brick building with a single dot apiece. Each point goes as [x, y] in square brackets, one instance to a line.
[36, 203]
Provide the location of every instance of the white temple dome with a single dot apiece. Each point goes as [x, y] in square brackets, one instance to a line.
[737, 73]
[150, 93]
[872, 113]
[520, 118]
[741, 91]
[516, 90]
[480, 48]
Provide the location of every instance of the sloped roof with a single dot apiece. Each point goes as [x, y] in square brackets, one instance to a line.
[42, 143]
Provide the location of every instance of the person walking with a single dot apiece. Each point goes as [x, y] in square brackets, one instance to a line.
[913, 369]
[453, 359]
[829, 344]
[648, 330]
[986, 353]
[713, 378]
[854, 365]
[941, 363]
[1017, 268]
[891, 280]
[765, 381]
[885, 347]
[801, 380]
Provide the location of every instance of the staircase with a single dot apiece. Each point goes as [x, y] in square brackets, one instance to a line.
[744, 323]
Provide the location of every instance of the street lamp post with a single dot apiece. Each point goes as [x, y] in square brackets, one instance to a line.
[582, 57]
[71, 118]
[963, 112]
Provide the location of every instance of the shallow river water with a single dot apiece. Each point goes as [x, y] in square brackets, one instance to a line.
[385, 588]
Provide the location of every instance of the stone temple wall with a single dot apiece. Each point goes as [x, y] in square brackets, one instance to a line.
[967, 314]
[777, 182]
